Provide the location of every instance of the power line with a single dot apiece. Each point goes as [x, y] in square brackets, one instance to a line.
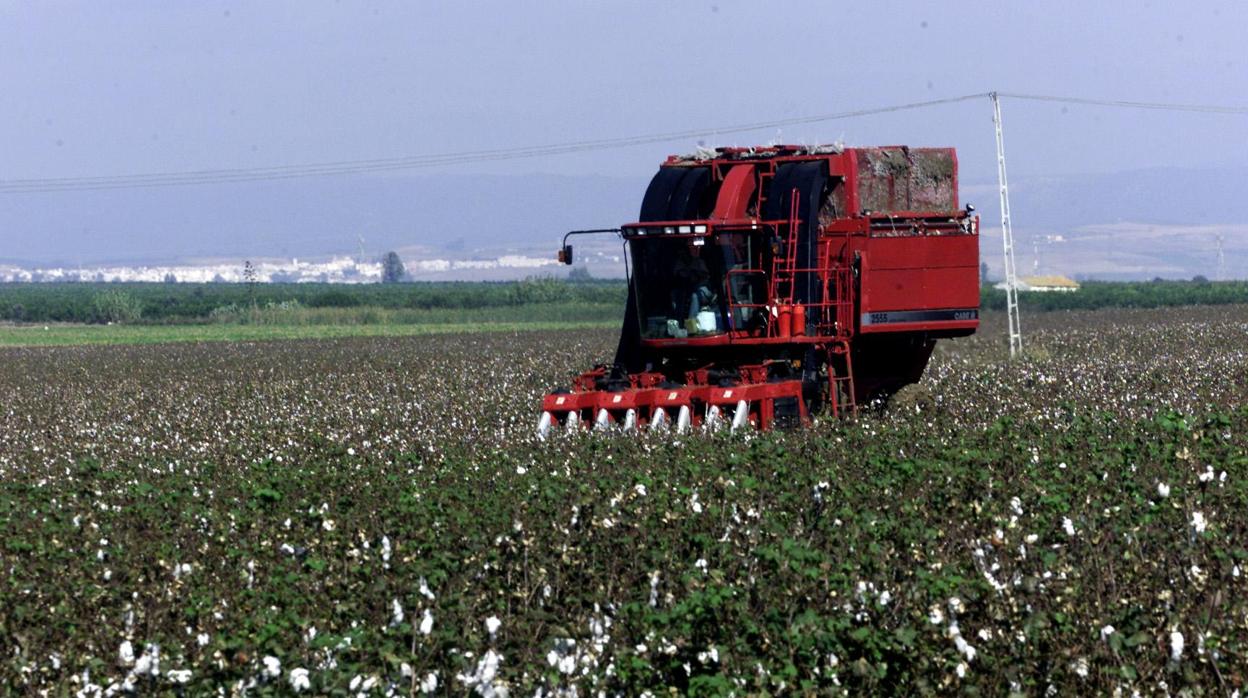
[1205, 108]
[220, 176]
[432, 160]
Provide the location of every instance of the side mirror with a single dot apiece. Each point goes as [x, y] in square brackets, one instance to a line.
[565, 254]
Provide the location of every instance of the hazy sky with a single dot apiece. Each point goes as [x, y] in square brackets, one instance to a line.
[113, 88]
[93, 89]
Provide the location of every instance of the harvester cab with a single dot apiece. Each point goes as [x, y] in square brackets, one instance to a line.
[768, 284]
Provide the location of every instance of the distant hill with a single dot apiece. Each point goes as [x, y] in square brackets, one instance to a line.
[466, 216]
[452, 213]
[1164, 196]
[1128, 225]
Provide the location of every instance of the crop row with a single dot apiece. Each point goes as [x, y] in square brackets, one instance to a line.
[375, 516]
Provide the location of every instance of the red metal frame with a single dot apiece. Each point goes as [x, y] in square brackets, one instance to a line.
[909, 274]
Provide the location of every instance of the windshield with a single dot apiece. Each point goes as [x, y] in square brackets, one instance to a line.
[686, 287]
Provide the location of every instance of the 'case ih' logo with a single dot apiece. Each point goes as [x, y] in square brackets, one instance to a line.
[894, 317]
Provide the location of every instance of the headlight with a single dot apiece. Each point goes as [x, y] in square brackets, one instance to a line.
[699, 228]
[668, 230]
[685, 229]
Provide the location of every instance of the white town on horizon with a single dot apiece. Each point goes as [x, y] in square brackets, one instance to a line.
[337, 269]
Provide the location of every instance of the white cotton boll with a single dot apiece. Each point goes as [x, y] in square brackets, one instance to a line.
[1068, 526]
[180, 676]
[272, 666]
[701, 564]
[126, 653]
[1196, 573]
[492, 624]
[960, 642]
[202, 639]
[1107, 631]
[711, 655]
[423, 588]
[1198, 522]
[299, 679]
[426, 623]
[1207, 475]
[1176, 646]
[429, 684]
[960, 669]
[328, 524]
[567, 664]
[148, 662]
[936, 616]
[1163, 490]
[396, 612]
[486, 672]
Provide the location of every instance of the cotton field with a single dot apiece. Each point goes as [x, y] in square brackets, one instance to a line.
[375, 517]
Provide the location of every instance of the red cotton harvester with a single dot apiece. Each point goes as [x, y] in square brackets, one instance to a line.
[767, 284]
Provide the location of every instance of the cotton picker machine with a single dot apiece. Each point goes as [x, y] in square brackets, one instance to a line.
[769, 284]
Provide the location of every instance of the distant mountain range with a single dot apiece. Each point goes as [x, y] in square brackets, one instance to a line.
[1168, 196]
[463, 216]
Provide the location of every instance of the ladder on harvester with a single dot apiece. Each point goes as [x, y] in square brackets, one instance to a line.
[841, 309]
[841, 379]
[784, 261]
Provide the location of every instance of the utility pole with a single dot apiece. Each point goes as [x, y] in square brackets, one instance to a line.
[1007, 236]
[1221, 275]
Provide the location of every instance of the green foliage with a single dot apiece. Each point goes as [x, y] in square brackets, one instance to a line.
[1093, 295]
[392, 271]
[279, 499]
[193, 302]
[115, 305]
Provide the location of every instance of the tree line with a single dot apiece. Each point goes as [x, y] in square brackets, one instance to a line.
[195, 302]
